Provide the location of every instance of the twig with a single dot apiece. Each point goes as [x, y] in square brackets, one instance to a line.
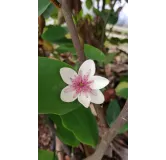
[110, 134]
[104, 27]
[72, 29]
[105, 23]
[103, 7]
[59, 149]
[100, 115]
[121, 50]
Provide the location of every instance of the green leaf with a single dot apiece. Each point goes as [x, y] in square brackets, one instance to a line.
[63, 133]
[113, 18]
[76, 66]
[115, 40]
[125, 40]
[89, 4]
[83, 124]
[109, 58]
[48, 11]
[113, 111]
[54, 33]
[94, 53]
[46, 155]
[66, 48]
[124, 78]
[42, 6]
[64, 41]
[121, 85]
[107, 2]
[50, 85]
[123, 93]
[54, 13]
[122, 90]
[96, 11]
[79, 15]
[124, 128]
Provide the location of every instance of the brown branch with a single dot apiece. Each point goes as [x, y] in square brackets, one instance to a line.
[56, 3]
[72, 29]
[110, 134]
[123, 117]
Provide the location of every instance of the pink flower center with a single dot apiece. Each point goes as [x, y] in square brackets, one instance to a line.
[80, 84]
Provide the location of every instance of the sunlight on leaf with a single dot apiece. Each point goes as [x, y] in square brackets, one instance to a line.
[122, 90]
[42, 6]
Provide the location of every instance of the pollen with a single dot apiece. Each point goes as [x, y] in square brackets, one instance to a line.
[81, 84]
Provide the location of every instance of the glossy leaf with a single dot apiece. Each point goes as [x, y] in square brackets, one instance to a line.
[122, 90]
[94, 53]
[54, 33]
[50, 85]
[46, 155]
[47, 13]
[83, 124]
[63, 133]
[42, 6]
[66, 48]
[113, 111]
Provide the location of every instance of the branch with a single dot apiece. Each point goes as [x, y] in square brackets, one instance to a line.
[72, 29]
[123, 117]
[105, 23]
[103, 6]
[110, 134]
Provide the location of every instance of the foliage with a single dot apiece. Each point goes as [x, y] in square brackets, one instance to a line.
[112, 112]
[54, 33]
[122, 89]
[93, 53]
[46, 155]
[74, 123]
[65, 135]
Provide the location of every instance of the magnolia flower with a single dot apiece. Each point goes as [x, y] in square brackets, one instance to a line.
[84, 85]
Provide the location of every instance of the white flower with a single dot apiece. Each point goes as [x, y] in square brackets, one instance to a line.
[84, 85]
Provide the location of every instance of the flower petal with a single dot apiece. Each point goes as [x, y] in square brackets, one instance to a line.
[87, 68]
[68, 94]
[67, 74]
[84, 99]
[99, 82]
[97, 97]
